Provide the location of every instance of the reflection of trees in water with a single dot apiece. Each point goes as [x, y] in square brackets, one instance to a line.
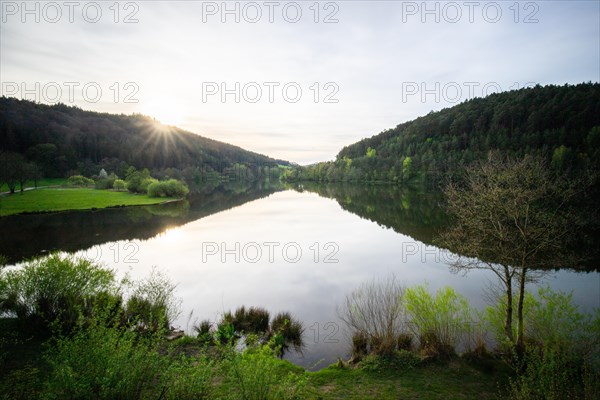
[409, 211]
[26, 236]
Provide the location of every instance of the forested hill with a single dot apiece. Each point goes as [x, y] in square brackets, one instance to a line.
[560, 123]
[62, 139]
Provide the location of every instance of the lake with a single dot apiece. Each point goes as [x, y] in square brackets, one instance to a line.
[282, 248]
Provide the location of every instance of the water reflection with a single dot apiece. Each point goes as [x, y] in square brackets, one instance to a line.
[26, 236]
[414, 212]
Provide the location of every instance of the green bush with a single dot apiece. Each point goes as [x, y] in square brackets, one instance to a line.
[225, 333]
[438, 321]
[562, 358]
[549, 373]
[119, 185]
[204, 333]
[57, 288]
[169, 188]
[103, 363]
[138, 181]
[256, 374]
[187, 378]
[106, 183]
[80, 181]
[550, 319]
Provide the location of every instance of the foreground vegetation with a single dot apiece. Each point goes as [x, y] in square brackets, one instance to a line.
[46, 200]
[72, 331]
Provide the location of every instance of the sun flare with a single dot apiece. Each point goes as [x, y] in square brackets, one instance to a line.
[168, 113]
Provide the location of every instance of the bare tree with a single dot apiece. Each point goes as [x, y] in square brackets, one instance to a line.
[512, 218]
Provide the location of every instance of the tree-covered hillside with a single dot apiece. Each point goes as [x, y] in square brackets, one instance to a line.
[61, 140]
[559, 123]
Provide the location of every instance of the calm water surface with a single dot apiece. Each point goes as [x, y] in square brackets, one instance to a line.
[285, 250]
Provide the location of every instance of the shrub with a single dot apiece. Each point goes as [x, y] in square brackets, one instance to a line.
[255, 375]
[169, 188]
[55, 288]
[225, 333]
[107, 182]
[80, 181]
[187, 378]
[376, 310]
[562, 357]
[550, 319]
[438, 321]
[203, 331]
[119, 185]
[547, 373]
[138, 181]
[102, 363]
[21, 384]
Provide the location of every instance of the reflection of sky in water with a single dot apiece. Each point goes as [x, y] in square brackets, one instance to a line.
[309, 290]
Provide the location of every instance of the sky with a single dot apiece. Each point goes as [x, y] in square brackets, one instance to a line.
[293, 80]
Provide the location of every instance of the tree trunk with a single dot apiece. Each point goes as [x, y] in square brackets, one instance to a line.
[509, 305]
[520, 327]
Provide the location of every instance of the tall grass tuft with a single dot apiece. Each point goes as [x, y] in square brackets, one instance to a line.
[251, 320]
[287, 331]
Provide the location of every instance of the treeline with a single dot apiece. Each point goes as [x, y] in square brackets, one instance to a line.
[60, 141]
[558, 123]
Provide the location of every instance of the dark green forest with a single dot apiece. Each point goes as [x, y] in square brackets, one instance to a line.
[61, 141]
[558, 123]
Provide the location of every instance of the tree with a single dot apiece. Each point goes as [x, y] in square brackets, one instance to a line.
[407, 168]
[36, 173]
[119, 185]
[514, 219]
[12, 170]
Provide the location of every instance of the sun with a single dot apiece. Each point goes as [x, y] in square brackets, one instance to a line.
[167, 112]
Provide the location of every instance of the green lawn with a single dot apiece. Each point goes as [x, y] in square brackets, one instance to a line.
[60, 199]
[40, 183]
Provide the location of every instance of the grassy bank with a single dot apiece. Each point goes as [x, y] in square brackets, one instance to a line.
[59, 199]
